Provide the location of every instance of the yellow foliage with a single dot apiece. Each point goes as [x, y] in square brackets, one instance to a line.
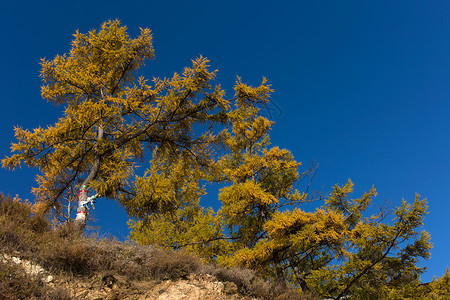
[111, 118]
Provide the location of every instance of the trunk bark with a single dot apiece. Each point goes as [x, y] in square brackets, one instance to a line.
[281, 279]
[82, 210]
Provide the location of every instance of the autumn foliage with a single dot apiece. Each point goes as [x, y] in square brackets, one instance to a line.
[193, 137]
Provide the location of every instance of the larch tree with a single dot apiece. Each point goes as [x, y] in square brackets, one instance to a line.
[167, 211]
[112, 120]
[439, 288]
[337, 251]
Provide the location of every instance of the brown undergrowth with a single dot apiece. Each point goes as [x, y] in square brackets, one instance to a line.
[67, 255]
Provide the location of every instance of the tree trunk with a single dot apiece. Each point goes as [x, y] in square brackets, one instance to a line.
[82, 210]
[281, 279]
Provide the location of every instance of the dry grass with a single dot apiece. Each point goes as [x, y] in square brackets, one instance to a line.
[16, 284]
[248, 283]
[62, 252]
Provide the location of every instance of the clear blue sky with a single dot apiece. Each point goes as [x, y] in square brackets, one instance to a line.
[362, 87]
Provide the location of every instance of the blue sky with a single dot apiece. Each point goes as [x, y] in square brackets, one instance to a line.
[361, 87]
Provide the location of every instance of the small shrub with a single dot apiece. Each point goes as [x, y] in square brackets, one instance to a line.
[8, 239]
[39, 224]
[16, 284]
[57, 294]
[18, 228]
[248, 283]
[70, 256]
[171, 265]
[246, 280]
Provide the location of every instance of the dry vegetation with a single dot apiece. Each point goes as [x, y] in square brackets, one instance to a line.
[65, 254]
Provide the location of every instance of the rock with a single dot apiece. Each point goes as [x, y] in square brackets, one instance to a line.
[33, 269]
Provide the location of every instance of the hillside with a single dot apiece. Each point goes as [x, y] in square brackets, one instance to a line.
[39, 261]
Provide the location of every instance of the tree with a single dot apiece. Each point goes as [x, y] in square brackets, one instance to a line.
[167, 211]
[336, 251]
[439, 288]
[112, 119]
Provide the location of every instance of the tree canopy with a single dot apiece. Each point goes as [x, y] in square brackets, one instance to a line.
[112, 119]
[336, 251]
[115, 120]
